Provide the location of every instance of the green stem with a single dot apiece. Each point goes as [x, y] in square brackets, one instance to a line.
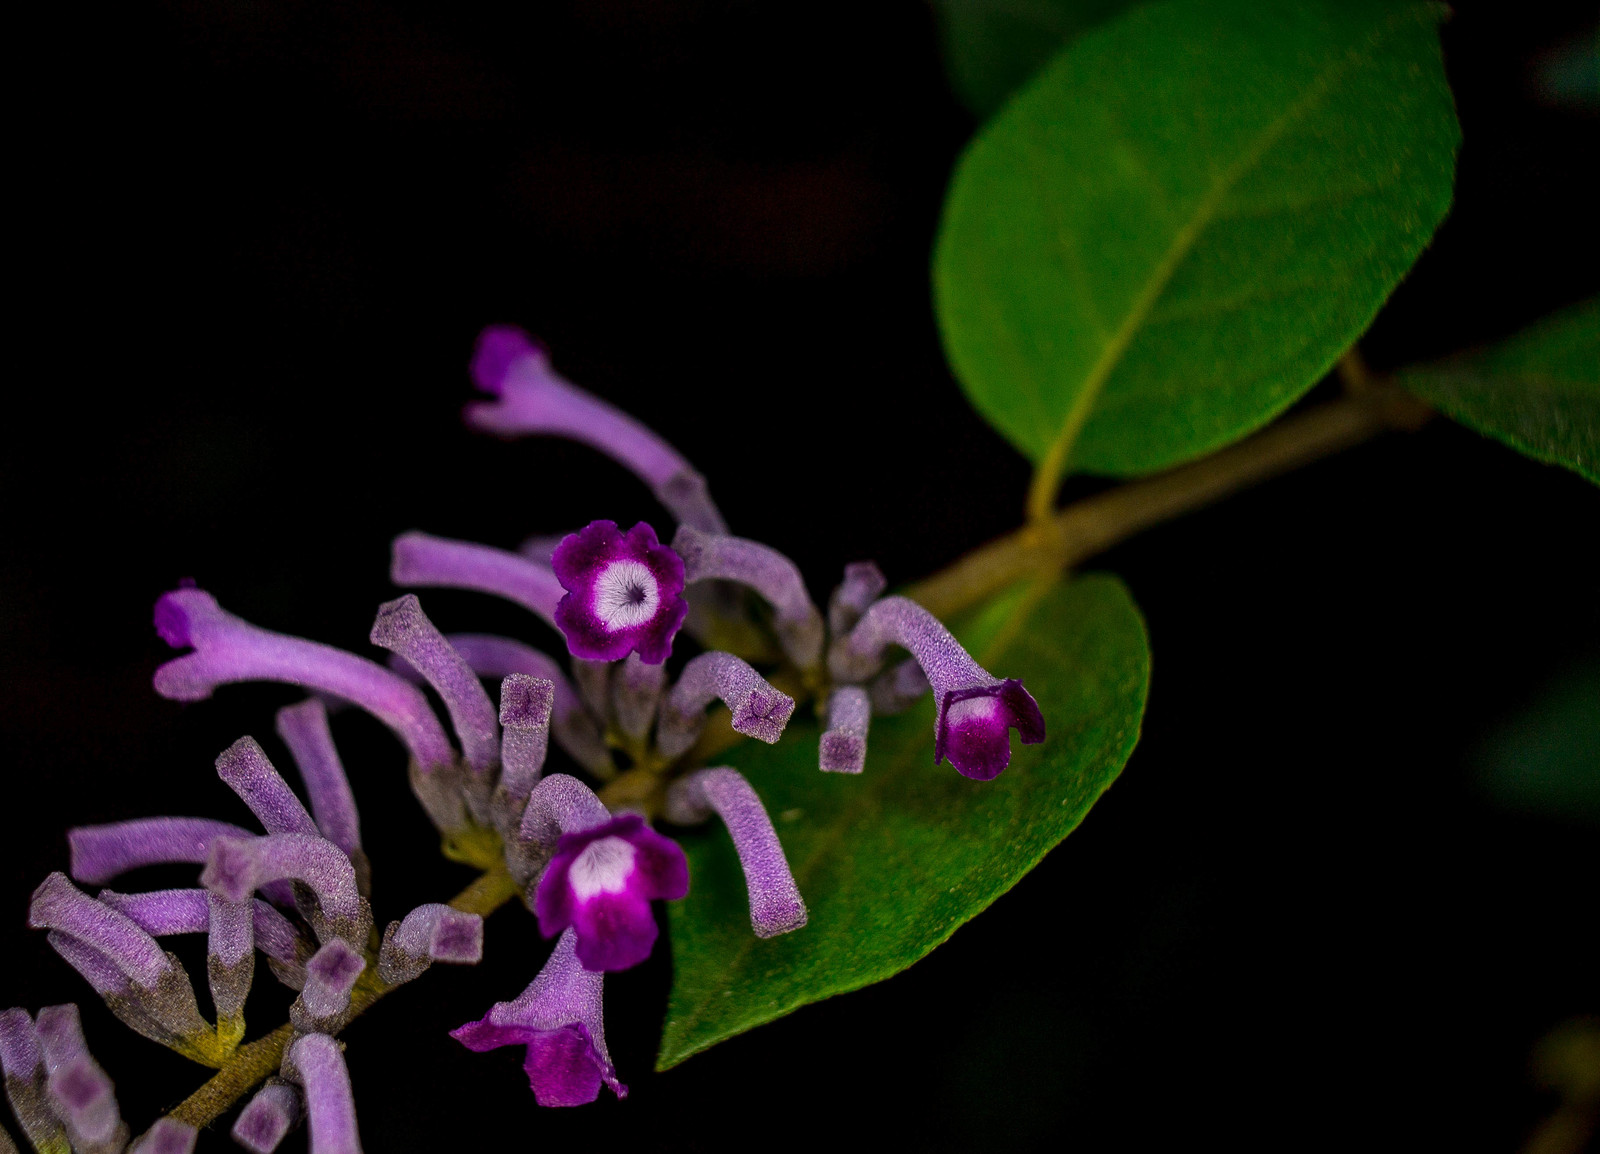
[1078, 532]
[254, 1061]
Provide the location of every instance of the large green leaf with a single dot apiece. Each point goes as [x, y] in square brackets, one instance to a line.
[1539, 392]
[1171, 233]
[891, 862]
[992, 46]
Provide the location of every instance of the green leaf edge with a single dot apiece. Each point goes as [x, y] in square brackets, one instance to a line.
[981, 630]
[1430, 382]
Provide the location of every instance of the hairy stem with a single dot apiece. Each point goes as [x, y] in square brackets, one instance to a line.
[257, 1060]
[1093, 525]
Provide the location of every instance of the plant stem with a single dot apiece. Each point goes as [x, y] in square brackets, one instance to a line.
[257, 1060]
[1094, 524]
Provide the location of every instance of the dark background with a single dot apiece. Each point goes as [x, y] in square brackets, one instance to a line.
[257, 241]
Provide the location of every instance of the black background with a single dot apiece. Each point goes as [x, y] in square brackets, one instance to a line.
[257, 240]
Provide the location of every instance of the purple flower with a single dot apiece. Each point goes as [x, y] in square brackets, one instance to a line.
[532, 399]
[976, 710]
[624, 593]
[558, 1018]
[600, 884]
[228, 649]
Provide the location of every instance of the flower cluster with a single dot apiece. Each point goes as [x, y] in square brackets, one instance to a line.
[588, 864]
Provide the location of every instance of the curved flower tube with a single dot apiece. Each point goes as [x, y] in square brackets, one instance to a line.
[79, 1091]
[559, 1019]
[315, 1061]
[421, 559]
[229, 649]
[532, 400]
[715, 557]
[402, 627]
[244, 767]
[759, 710]
[775, 903]
[304, 729]
[975, 708]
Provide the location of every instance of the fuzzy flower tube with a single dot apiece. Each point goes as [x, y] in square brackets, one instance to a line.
[759, 710]
[419, 560]
[304, 729]
[716, 557]
[975, 708]
[531, 400]
[316, 1063]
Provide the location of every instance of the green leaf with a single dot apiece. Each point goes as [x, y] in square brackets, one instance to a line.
[891, 862]
[1539, 392]
[991, 47]
[1176, 229]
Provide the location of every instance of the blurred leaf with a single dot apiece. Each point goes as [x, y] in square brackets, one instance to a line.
[1547, 758]
[891, 862]
[1178, 227]
[991, 47]
[1539, 392]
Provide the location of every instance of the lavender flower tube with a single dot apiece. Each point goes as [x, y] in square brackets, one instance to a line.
[570, 723]
[228, 649]
[559, 1019]
[603, 874]
[635, 695]
[402, 627]
[161, 913]
[304, 729]
[102, 852]
[863, 583]
[711, 557]
[525, 707]
[775, 903]
[975, 708]
[532, 400]
[268, 1118]
[844, 744]
[246, 770]
[237, 866]
[430, 933]
[58, 905]
[759, 710]
[25, 1074]
[78, 1089]
[315, 1062]
[420, 560]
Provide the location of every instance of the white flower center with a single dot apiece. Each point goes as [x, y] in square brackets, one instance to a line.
[972, 709]
[603, 867]
[625, 595]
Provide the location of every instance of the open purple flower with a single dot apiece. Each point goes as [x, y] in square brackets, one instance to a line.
[976, 710]
[624, 593]
[602, 875]
[558, 1018]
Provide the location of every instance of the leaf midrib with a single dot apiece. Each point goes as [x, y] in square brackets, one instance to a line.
[1183, 241]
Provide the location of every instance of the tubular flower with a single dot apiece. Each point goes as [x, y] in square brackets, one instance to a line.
[624, 593]
[558, 1018]
[532, 400]
[975, 708]
[603, 875]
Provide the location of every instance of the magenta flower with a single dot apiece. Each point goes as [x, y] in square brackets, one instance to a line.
[976, 710]
[624, 593]
[558, 1018]
[600, 884]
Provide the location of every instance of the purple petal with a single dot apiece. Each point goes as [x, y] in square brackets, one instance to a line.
[601, 882]
[402, 627]
[974, 723]
[624, 593]
[229, 649]
[775, 903]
